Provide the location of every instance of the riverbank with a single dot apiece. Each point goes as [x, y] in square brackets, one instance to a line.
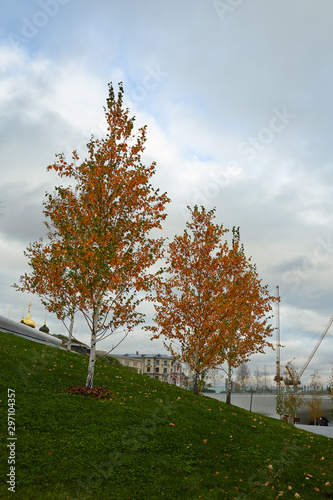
[265, 405]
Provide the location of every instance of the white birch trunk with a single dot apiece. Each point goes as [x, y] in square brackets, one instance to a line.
[70, 332]
[228, 398]
[92, 355]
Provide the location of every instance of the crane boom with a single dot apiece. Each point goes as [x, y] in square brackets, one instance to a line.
[327, 327]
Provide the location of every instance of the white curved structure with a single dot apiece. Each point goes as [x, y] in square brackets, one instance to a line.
[9, 326]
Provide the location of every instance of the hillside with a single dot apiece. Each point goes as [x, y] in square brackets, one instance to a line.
[149, 440]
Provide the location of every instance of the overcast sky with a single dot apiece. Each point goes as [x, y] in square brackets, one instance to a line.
[237, 97]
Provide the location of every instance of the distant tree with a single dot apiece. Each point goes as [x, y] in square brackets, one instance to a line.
[99, 239]
[315, 402]
[265, 374]
[330, 384]
[280, 401]
[211, 305]
[258, 378]
[214, 376]
[243, 375]
[289, 398]
[330, 387]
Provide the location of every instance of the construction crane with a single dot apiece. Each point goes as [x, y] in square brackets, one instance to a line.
[278, 377]
[292, 381]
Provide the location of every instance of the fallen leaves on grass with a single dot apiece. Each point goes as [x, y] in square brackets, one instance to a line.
[97, 392]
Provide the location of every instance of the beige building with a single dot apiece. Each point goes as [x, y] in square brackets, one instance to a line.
[131, 361]
[159, 366]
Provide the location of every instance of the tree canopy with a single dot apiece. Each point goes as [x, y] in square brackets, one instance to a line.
[98, 249]
[211, 305]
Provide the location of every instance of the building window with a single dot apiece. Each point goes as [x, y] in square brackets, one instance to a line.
[157, 370]
[148, 369]
[157, 361]
[165, 370]
[126, 363]
[135, 363]
[165, 363]
[148, 362]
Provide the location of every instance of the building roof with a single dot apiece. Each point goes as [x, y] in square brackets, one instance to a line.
[137, 356]
[44, 328]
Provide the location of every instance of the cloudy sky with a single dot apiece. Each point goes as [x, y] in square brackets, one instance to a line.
[238, 102]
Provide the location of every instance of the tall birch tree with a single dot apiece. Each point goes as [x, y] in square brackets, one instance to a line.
[99, 228]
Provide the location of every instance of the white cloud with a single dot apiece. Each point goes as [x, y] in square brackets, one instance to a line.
[206, 87]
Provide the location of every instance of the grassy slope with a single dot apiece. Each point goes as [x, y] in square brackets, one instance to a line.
[150, 441]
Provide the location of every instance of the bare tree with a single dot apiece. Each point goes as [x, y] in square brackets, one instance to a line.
[243, 375]
[265, 374]
[315, 403]
[330, 384]
[289, 398]
[214, 376]
[258, 379]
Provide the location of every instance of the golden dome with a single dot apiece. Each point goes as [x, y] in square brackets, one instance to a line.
[29, 322]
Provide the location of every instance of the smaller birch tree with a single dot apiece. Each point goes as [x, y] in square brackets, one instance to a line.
[211, 307]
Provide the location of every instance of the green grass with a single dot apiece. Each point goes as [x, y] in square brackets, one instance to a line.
[149, 441]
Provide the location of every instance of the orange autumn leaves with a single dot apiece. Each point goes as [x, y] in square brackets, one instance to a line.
[99, 249]
[98, 256]
[211, 305]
